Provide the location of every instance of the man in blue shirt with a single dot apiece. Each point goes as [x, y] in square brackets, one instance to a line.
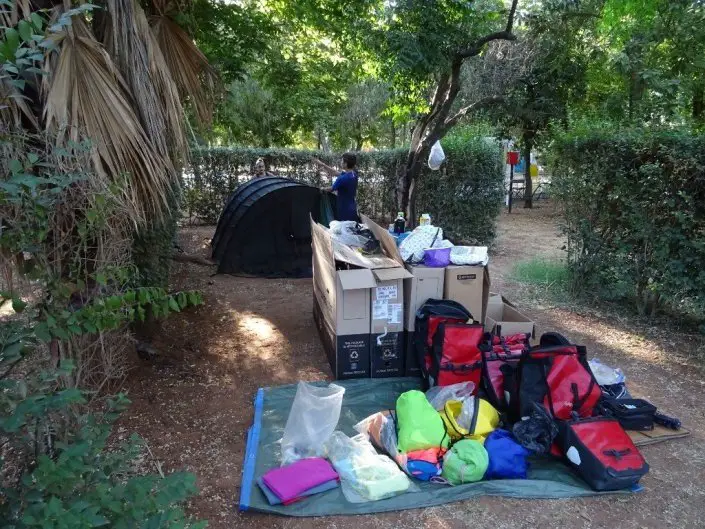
[345, 186]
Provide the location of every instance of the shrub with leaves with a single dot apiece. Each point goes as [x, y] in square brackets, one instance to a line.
[59, 470]
[464, 196]
[634, 204]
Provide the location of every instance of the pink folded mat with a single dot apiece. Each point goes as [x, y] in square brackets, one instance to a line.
[291, 481]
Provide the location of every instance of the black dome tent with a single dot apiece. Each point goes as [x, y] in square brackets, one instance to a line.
[265, 229]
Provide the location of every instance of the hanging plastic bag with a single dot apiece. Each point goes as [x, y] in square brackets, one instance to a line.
[437, 396]
[364, 474]
[436, 157]
[313, 418]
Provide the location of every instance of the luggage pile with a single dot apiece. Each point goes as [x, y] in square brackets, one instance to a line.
[545, 398]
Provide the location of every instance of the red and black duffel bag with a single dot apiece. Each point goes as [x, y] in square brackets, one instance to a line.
[429, 316]
[456, 355]
[602, 453]
[559, 378]
[500, 357]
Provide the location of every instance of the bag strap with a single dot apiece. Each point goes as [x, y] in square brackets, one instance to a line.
[577, 400]
[437, 350]
[617, 454]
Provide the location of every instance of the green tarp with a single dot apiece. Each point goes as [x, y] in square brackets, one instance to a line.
[547, 478]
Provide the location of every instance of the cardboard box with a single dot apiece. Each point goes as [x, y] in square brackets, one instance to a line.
[469, 286]
[504, 319]
[426, 283]
[358, 305]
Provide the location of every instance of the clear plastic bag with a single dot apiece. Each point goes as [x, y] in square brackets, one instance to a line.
[439, 395]
[313, 418]
[436, 157]
[467, 412]
[345, 233]
[604, 374]
[364, 474]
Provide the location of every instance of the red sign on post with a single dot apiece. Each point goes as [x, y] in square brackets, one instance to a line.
[513, 157]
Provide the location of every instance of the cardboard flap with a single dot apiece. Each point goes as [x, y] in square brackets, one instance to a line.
[386, 241]
[356, 279]
[499, 300]
[389, 274]
[346, 254]
[322, 242]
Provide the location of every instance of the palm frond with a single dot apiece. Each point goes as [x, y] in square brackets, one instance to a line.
[14, 105]
[194, 77]
[85, 96]
[130, 42]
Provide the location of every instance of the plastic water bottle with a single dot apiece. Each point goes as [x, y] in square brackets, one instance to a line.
[425, 220]
[400, 223]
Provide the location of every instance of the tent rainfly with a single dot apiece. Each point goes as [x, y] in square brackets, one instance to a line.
[265, 230]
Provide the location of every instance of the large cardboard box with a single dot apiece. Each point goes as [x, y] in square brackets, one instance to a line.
[358, 305]
[469, 286]
[504, 319]
[426, 283]
[386, 323]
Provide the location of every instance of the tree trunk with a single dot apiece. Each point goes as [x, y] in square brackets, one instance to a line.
[528, 143]
[699, 103]
[358, 143]
[394, 134]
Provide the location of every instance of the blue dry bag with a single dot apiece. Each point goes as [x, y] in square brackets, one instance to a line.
[507, 457]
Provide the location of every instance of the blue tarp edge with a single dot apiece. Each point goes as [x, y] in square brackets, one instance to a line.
[248, 469]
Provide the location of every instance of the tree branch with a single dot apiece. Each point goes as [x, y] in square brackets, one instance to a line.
[482, 103]
[480, 43]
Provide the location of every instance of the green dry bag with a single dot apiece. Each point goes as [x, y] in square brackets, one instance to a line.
[465, 462]
[420, 426]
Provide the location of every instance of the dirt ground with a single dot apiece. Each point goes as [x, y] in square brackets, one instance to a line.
[193, 405]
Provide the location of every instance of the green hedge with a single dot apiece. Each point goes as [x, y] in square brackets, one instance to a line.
[635, 215]
[464, 196]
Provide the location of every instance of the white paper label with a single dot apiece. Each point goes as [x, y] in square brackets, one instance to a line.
[388, 292]
[394, 313]
[380, 310]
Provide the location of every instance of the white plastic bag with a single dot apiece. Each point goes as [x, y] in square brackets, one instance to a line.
[342, 231]
[313, 418]
[413, 246]
[364, 474]
[436, 157]
[469, 255]
[604, 374]
[437, 396]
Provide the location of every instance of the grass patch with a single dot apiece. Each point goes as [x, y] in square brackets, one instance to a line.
[542, 272]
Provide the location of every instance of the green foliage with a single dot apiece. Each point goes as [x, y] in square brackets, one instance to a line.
[57, 222]
[464, 196]
[67, 476]
[542, 272]
[634, 203]
[152, 249]
[648, 66]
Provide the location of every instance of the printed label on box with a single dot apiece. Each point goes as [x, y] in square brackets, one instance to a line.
[463, 277]
[380, 310]
[395, 312]
[388, 292]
